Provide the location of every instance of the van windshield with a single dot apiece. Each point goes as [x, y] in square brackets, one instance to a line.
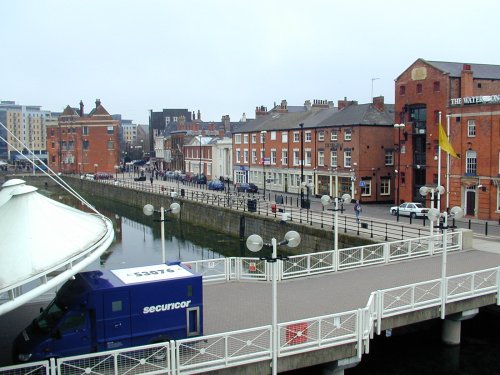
[48, 319]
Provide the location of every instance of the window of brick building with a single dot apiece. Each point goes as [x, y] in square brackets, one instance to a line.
[471, 128]
[321, 158]
[419, 88]
[471, 163]
[385, 186]
[437, 86]
[402, 90]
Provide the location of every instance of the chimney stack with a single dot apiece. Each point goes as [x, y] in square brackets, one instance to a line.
[97, 102]
[199, 115]
[467, 80]
[81, 108]
[378, 103]
[341, 104]
[260, 111]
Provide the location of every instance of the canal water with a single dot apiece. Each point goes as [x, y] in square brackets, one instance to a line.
[415, 350]
[138, 237]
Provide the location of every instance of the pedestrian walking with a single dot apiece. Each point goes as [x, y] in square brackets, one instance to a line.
[357, 210]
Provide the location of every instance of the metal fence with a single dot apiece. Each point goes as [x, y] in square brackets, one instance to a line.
[257, 204]
[208, 353]
[236, 268]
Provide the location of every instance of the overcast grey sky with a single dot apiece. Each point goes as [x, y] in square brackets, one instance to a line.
[227, 56]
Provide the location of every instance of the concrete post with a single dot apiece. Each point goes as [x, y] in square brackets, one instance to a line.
[338, 367]
[452, 326]
[451, 331]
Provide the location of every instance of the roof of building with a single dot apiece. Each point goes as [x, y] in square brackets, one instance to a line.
[454, 69]
[353, 114]
[360, 114]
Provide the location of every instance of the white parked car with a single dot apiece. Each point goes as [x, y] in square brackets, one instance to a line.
[411, 209]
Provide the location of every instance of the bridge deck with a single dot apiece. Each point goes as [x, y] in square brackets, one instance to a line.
[238, 305]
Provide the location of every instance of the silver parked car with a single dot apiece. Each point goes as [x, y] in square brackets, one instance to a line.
[411, 209]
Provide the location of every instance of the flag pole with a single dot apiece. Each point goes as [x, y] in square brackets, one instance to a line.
[448, 164]
[439, 168]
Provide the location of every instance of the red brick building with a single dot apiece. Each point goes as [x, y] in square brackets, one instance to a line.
[467, 99]
[82, 143]
[333, 150]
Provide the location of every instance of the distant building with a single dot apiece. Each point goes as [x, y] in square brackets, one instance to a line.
[158, 122]
[468, 98]
[27, 130]
[319, 149]
[81, 143]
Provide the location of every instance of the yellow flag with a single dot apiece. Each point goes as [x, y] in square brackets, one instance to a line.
[445, 144]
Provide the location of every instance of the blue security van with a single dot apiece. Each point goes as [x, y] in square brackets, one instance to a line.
[104, 310]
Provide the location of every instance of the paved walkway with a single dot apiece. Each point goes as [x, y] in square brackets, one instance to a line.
[238, 305]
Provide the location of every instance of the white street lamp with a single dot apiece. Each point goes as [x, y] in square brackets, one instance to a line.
[254, 244]
[148, 210]
[424, 190]
[399, 127]
[434, 215]
[325, 201]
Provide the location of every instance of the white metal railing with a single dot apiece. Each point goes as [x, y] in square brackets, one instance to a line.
[236, 268]
[208, 353]
[148, 359]
[213, 352]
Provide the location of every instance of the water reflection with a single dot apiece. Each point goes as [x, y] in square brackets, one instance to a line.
[138, 237]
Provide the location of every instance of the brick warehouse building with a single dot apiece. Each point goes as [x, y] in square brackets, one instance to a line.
[81, 143]
[467, 98]
[344, 149]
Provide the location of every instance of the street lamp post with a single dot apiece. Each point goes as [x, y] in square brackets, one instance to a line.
[325, 201]
[398, 171]
[301, 164]
[263, 140]
[199, 168]
[149, 209]
[434, 215]
[424, 190]
[255, 243]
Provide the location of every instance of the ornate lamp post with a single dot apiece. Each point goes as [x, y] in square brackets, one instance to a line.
[263, 140]
[325, 201]
[148, 210]
[398, 171]
[255, 243]
[434, 215]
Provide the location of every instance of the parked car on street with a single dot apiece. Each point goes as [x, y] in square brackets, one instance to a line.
[245, 187]
[411, 209]
[216, 185]
[199, 179]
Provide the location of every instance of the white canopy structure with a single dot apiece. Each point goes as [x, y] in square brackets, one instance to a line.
[43, 243]
[8, 187]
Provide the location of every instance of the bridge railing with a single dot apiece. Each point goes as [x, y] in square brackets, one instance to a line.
[212, 352]
[146, 359]
[408, 298]
[199, 355]
[244, 268]
[323, 218]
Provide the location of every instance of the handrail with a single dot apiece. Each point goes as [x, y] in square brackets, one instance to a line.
[236, 348]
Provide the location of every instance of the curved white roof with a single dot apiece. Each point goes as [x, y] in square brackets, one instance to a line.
[38, 236]
[8, 187]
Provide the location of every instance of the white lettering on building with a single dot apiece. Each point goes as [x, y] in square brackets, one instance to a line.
[481, 99]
